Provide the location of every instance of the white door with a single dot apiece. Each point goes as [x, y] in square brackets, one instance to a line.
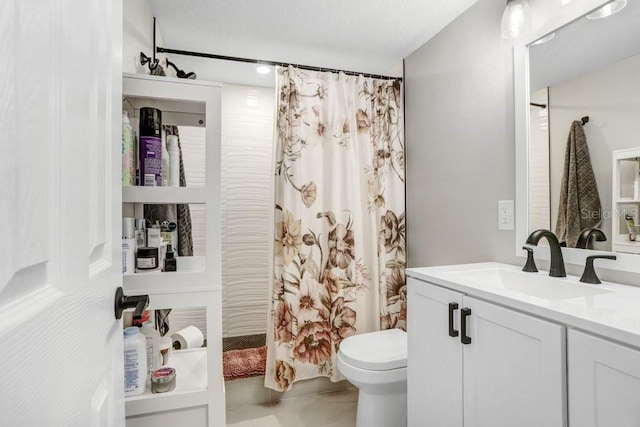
[434, 366]
[604, 382]
[60, 103]
[513, 369]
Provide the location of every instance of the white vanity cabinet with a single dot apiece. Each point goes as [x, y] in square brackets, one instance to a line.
[604, 382]
[477, 364]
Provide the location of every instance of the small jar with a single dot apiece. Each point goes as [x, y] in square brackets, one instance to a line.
[163, 380]
[147, 259]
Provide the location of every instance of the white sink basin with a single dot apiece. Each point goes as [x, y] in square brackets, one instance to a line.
[538, 285]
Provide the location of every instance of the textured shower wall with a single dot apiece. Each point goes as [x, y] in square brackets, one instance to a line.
[247, 142]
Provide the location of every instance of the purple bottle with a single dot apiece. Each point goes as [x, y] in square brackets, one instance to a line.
[150, 147]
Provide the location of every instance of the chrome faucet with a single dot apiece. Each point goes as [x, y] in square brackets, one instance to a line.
[585, 236]
[557, 262]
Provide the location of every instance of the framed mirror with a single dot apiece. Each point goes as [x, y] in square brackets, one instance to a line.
[579, 69]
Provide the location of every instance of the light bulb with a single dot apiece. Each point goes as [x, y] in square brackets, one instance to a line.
[263, 69]
[516, 19]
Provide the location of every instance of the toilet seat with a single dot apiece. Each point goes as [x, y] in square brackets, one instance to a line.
[376, 351]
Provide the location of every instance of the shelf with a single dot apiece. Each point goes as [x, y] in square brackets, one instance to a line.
[622, 243]
[164, 283]
[191, 386]
[190, 277]
[624, 200]
[163, 195]
[199, 393]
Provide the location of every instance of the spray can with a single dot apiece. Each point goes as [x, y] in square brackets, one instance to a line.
[174, 161]
[150, 147]
[128, 152]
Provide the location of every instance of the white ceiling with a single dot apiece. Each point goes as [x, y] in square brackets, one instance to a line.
[371, 36]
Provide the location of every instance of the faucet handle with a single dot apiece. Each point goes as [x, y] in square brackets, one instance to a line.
[530, 265]
[589, 275]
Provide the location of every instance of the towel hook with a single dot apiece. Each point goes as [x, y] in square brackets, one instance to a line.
[153, 63]
[585, 120]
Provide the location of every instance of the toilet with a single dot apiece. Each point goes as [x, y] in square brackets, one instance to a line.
[376, 363]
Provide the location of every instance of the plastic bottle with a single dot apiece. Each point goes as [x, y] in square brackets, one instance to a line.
[135, 362]
[174, 161]
[150, 147]
[165, 161]
[128, 152]
[152, 345]
[128, 246]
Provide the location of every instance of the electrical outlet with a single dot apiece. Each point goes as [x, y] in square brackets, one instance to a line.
[505, 215]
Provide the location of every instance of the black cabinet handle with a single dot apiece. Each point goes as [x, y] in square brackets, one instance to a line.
[464, 313]
[453, 306]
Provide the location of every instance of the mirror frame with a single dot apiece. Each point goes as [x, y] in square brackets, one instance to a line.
[566, 15]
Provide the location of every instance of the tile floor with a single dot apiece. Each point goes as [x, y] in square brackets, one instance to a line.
[330, 409]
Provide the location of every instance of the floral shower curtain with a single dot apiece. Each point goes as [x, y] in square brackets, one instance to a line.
[339, 244]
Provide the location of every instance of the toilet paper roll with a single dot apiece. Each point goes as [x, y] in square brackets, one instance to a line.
[189, 337]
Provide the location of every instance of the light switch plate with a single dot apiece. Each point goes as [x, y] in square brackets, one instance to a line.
[505, 215]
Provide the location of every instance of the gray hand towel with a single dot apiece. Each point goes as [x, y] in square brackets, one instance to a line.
[580, 206]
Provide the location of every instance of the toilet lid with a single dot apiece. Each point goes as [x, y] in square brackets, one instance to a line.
[376, 351]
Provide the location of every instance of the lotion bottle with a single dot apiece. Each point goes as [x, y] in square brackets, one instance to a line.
[135, 362]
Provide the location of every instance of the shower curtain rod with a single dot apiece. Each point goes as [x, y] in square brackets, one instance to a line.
[261, 62]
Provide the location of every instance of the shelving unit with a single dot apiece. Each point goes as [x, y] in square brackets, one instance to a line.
[626, 166]
[199, 392]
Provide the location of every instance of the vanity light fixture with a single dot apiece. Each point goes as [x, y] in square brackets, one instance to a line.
[516, 19]
[608, 9]
[263, 69]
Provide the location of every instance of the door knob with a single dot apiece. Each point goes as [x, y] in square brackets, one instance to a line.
[122, 302]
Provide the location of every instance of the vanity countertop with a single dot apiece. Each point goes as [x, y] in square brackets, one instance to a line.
[610, 310]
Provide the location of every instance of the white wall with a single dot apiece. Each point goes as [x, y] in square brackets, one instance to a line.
[460, 141]
[247, 204]
[539, 198]
[138, 35]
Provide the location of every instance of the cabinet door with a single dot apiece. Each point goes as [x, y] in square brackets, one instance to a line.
[604, 382]
[434, 376]
[513, 369]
